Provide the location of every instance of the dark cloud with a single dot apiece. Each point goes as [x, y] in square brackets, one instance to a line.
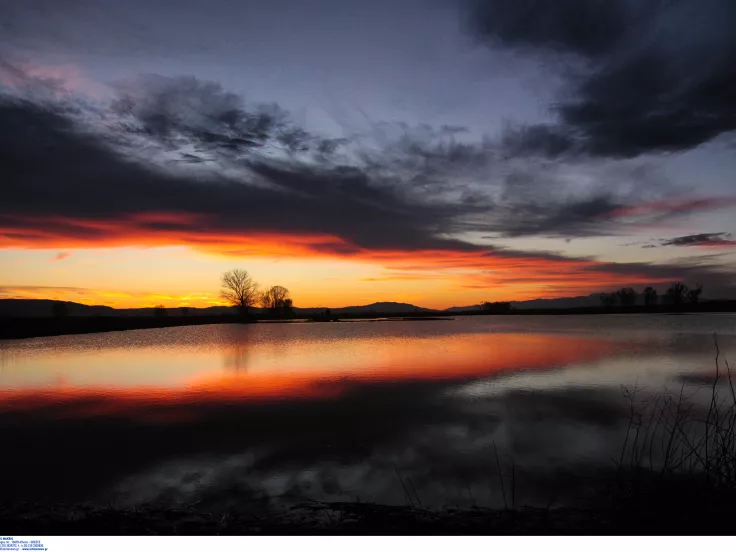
[642, 76]
[583, 198]
[182, 144]
[596, 25]
[56, 170]
[708, 239]
[421, 165]
[401, 188]
[575, 218]
[401, 194]
[413, 186]
[75, 174]
[712, 271]
[541, 139]
[186, 112]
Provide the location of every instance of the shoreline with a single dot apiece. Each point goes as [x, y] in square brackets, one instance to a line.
[29, 328]
[32, 327]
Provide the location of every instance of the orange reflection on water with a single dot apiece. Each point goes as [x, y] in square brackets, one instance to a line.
[312, 372]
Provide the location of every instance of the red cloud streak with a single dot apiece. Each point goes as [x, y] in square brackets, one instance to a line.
[520, 275]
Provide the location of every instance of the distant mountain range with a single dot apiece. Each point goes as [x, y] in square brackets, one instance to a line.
[592, 300]
[45, 307]
[388, 307]
[37, 308]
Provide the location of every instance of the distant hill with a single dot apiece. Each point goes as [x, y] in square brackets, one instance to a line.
[382, 308]
[462, 309]
[39, 308]
[34, 308]
[44, 308]
[592, 300]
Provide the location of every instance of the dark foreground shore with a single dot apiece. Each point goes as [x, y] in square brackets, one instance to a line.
[21, 328]
[348, 518]
[368, 519]
[26, 327]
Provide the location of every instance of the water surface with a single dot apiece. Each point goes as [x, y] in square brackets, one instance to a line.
[226, 415]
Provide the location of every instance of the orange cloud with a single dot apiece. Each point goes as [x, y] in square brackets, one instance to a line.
[511, 275]
[61, 256]
[158, 229]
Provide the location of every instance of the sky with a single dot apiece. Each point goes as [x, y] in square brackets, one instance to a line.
[436, 152]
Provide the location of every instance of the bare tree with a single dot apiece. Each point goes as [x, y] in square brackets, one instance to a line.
[276, 300]
[608, 300]
[693, 294]
[676, 294]
[239, 289]
[650, 296]
[159, 311]
[626, 297]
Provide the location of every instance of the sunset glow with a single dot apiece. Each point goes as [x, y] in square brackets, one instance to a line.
[135, 188]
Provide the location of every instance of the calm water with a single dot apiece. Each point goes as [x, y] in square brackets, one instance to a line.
[265, 414]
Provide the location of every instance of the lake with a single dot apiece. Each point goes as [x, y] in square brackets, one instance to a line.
[476, 410]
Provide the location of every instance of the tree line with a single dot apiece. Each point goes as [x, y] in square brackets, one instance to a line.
[241, 291]
[495, 307]
[677, 294]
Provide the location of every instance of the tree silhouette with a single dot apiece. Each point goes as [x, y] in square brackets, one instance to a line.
[274, 298]
[159, 311]
[323, 316]
[676, 294]
[626, 297]
[239, 289]
[495, 307]
[608, 300]
[693, 294]
[650, 296]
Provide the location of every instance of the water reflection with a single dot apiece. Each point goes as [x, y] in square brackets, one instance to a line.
[122, 381]
[235, 358]
[329, 411]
